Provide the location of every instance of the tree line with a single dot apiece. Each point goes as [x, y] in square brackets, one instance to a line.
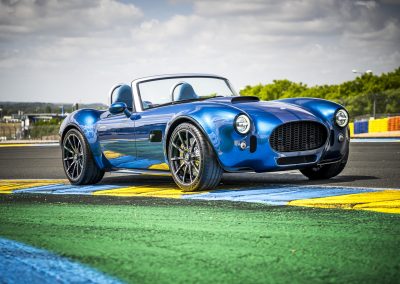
[9, 108]
[356, 95]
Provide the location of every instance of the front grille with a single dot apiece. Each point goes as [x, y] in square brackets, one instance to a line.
[298, 136]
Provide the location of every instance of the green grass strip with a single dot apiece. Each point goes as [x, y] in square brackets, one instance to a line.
[209, 244]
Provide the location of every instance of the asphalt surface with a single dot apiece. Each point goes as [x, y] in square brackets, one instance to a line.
[370, 165]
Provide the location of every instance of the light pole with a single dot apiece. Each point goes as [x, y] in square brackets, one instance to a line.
[369, 72]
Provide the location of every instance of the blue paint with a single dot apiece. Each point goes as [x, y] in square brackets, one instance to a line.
[277, 195]
[20, 263]
[66, 189]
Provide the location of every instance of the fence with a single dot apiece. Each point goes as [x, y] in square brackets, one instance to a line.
[375, 125]
[9, 131]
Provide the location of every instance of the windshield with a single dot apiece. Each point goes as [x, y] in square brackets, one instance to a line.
[167, 90]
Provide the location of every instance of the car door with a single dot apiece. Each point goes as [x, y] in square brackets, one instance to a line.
[116, 134]
[149, 134]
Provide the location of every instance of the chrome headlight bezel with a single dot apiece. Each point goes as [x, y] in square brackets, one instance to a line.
[341, 118]
[242, 124]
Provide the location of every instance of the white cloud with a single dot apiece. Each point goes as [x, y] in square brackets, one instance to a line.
[367, 4]
[75, 50]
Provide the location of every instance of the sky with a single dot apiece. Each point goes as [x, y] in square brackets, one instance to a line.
[75, 51]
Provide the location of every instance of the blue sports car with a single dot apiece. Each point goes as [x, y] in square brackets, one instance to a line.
[195, 127]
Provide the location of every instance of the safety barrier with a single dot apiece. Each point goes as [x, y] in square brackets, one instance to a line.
[361, 126]
[375, 125]
[378, 125]
[394, 123]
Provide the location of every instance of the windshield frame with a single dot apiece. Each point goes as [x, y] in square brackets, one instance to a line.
[138, 97]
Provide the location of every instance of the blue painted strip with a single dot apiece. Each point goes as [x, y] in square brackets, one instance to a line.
[21, 263]
[67, 189]
[278, 195]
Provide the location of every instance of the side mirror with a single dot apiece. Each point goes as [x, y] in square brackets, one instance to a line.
[117, 108]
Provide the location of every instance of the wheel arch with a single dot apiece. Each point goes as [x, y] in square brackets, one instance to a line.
[94, 147]
[185, 119]
[68, 128]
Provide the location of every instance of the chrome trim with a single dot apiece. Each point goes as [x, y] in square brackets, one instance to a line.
[135, 88]
[112, 90]
[330, 162]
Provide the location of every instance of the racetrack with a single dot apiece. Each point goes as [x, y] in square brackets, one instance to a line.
[370, 165]
[122, 227]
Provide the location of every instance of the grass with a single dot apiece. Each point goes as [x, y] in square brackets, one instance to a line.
[209, 244]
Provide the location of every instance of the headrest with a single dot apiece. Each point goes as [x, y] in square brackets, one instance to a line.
[123, 94]
[186, 92]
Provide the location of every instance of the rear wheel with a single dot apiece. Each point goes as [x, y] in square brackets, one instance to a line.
[326, 171]
[79, 166]
[192, 160]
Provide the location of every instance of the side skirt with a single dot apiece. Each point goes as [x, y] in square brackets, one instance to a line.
[141, 172]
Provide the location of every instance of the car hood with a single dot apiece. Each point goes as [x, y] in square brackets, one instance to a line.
[271, 110]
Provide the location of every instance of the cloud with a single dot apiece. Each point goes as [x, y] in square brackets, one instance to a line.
[65, 18]
[367, 4]
[83, 47]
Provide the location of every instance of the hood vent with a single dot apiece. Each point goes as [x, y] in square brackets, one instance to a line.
[244, 99]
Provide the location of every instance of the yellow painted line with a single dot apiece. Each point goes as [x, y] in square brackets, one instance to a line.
[165, 191]
[163, 166]
[8, 186]
[387, 201]
[390, 206]
[16, 145]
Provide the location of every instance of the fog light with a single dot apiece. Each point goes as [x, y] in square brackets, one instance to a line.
[341, 137]
[243, 145]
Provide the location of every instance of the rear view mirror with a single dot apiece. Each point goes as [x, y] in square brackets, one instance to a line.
[117, 108]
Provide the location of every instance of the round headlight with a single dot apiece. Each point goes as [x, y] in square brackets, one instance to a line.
[342, 118]
[242, 124]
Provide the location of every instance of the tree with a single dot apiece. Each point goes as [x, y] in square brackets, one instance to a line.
[357, 95]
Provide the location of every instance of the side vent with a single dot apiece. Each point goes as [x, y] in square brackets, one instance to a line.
[244, 99]
[155, 136]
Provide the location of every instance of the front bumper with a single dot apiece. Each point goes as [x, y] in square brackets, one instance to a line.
[262, 158]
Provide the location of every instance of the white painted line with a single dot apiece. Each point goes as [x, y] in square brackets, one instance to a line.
[374, 140]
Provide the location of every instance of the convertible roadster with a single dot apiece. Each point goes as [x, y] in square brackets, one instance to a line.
[195, 127]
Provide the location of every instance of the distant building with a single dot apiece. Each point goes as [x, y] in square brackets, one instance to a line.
[34, 117]
[10, 119]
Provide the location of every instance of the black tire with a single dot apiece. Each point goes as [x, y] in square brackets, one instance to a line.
[326, 171]
[78, 163]
[193, 165]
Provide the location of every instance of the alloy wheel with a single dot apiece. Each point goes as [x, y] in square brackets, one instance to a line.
[185, 157]
[73, 156]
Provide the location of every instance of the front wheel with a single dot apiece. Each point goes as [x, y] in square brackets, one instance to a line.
[326, 171]
[79, 166]
[192, 160]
